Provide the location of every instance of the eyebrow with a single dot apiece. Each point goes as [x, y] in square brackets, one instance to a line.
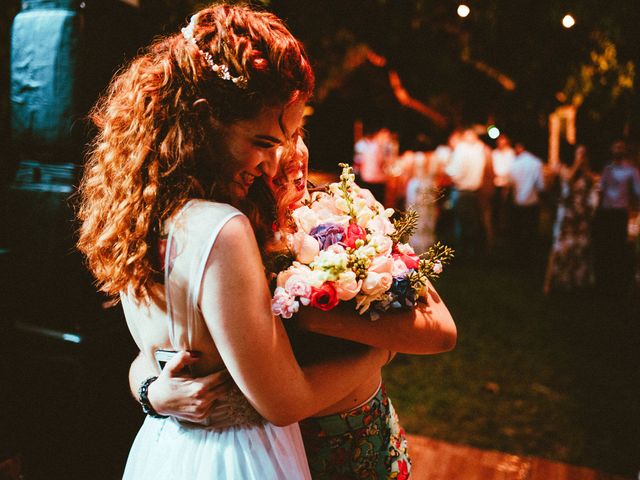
[269, 138]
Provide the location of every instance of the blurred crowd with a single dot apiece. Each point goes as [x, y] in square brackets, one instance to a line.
[501, 200]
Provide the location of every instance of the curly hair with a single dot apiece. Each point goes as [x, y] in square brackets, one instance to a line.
[154, 150]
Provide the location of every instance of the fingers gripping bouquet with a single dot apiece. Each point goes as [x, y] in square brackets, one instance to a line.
[343, 245]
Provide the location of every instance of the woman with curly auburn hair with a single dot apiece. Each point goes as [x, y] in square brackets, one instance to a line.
[183, 133]
[198, 151]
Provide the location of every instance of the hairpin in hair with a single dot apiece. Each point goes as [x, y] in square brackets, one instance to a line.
[220, 69]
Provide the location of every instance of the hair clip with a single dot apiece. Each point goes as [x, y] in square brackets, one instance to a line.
[220, 69]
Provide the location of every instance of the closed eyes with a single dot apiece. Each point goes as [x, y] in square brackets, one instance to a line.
[265, 145]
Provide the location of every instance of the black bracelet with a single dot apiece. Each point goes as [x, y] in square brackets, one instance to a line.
[143, 398]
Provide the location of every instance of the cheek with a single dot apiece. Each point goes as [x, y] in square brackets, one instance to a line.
[245, 159]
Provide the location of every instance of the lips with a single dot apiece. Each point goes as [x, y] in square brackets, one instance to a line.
[247, 179]
[299, 181]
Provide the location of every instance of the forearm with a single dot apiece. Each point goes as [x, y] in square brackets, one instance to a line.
[427, 329]
[325, 383]
[140, 370]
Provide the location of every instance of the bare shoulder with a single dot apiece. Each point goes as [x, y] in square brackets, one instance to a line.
[236, 245]
[236, 232]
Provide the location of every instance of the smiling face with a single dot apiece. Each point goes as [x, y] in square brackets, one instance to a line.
[256, 145]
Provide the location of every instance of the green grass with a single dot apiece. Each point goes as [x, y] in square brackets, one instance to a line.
[556, 377]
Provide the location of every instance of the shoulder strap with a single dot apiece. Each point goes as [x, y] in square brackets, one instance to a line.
[202, 228]
[167, 272]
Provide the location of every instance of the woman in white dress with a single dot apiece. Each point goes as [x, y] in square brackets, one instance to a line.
[358, 436]
[183, 132]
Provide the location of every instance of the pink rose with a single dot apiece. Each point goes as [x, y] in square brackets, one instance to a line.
[347, 286]
[325, 297]
[381, 264]
[411, 261]
[376, 283]
[297, 286]
[354, 232]
[296, 269]
[399, 268]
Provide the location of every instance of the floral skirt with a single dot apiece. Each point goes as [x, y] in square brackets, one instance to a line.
[364, 443]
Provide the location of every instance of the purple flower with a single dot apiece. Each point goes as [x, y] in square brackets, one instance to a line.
[401, 289]
[327, 234]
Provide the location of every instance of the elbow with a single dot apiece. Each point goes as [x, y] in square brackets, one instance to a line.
[283, 412]
[444, 340]
[436, 342]
[282, 417]
[449, 340]
[282, 420]
[449, 336]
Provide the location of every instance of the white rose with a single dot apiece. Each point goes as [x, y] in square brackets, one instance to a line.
[381, 225]
[382, 243]
[305, 247]
[305, 218]
[364, 217]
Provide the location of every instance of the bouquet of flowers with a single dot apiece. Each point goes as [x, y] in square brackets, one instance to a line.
[343, 246]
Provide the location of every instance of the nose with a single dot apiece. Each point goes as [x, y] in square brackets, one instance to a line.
[269, 165]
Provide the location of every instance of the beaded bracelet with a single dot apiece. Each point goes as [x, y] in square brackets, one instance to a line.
[143, 398]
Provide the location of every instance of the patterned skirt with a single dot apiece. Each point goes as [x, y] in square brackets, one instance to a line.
[364, 443]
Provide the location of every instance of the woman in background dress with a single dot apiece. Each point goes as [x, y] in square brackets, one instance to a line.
[570, 263]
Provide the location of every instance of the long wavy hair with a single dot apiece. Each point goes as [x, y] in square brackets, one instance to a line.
[154, 149]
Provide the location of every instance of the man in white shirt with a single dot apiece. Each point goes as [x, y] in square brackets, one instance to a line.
[619, 189]
[527, 181]
[372, 155]
[466, 170]
[502, 158]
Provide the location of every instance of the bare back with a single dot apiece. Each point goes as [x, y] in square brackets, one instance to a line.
[180, 326]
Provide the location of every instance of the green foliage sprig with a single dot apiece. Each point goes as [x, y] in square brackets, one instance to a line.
[405, 225]
[430, 265]
[436, 253]
[346, 180]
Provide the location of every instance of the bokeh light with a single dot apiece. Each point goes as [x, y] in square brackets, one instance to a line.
[463, 10]
[568, 21]
[493, 132]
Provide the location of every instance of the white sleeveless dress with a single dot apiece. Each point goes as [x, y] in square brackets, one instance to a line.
[167, 449]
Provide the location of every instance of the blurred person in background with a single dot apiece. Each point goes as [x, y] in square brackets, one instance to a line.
[527, 181]
[467, 171]
[502, 158]
[570, 263]
[372, 156]
[422, 196]
[619, 188]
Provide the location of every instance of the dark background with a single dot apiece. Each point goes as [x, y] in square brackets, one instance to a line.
[66, 408]
[434, 51]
